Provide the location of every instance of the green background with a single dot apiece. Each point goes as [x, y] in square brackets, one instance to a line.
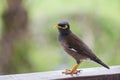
[96, 22]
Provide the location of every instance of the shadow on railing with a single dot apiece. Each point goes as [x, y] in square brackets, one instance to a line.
[98, 73]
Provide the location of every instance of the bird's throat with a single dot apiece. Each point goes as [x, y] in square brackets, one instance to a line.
[63, 34]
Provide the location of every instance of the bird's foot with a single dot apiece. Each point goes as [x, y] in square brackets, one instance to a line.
[68, 71]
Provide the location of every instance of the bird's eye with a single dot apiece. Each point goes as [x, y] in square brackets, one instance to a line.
[65, 27]
[62, 27]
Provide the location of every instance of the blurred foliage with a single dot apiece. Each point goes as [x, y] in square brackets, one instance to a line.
[94, 21]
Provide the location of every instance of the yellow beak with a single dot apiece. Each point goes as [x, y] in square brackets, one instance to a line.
[56, 26]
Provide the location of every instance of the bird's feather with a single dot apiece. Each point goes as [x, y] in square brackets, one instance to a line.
[73, 44]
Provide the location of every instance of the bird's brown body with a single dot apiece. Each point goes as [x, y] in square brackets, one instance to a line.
[66, 43]
[78, 50]
[75, 47]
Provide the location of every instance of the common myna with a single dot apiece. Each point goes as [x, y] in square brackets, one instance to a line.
[75, 47]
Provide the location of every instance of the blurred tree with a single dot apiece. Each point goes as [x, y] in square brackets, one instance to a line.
[15, 30]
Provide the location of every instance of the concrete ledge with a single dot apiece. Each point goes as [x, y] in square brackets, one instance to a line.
[98, 73]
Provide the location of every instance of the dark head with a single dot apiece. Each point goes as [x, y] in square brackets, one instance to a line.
[64, 28]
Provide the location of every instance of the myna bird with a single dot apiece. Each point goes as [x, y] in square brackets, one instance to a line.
[75, 47]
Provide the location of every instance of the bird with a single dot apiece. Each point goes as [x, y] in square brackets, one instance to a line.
[75, 47]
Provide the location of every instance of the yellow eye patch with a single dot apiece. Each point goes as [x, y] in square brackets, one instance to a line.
[65, 27]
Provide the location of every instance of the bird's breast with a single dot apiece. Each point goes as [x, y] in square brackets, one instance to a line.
[72, 52]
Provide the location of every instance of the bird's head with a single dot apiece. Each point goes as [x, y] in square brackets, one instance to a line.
[63, 27]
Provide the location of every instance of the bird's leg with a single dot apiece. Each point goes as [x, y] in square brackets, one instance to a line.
[73, 70]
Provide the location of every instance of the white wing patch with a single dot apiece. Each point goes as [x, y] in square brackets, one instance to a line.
[73, 49]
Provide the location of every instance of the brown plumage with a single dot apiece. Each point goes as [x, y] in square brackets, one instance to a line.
[75, 47]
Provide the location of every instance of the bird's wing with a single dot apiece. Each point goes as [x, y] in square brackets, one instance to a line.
[77, 45]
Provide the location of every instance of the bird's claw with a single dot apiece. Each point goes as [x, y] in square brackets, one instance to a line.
[68, 71]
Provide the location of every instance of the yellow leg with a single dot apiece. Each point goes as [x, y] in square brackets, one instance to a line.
[73, 70]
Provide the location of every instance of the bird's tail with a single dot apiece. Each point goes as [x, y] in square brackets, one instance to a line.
[101, 63]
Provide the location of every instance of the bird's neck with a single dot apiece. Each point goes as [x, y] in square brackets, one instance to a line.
[64, 33]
